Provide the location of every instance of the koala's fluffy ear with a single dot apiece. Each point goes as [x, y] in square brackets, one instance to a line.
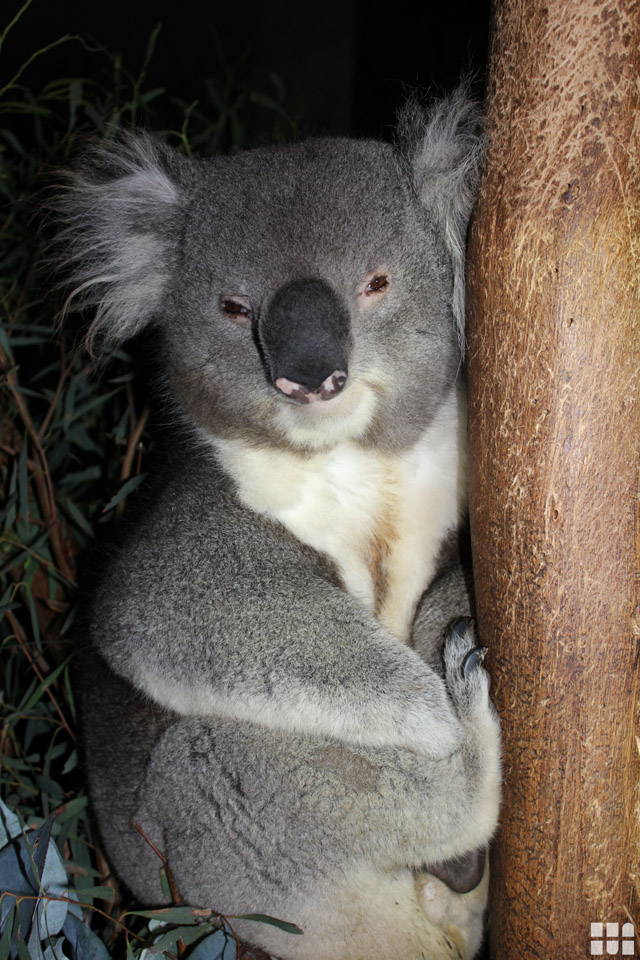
[117, 215]
[443, 145]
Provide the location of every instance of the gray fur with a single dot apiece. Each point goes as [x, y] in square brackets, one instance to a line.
[446, 148]
[118, 215]
[245, 697]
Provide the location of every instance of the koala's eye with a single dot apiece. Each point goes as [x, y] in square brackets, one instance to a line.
[375, 285]
[238, 309]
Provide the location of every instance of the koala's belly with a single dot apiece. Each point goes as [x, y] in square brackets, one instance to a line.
[381, 518]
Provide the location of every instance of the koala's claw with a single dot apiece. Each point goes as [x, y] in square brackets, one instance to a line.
[467, 682]
[459, 628]
[472, 660]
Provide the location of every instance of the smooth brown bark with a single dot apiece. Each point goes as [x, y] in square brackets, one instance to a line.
[554, 361]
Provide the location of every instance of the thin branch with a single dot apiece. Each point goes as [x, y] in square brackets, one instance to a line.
[5, 743]
[64, 373]
[34, 56]
[46, 496]
[78, 903]
[175, 896]
[22, 640]
[134, 440]
[155, 849]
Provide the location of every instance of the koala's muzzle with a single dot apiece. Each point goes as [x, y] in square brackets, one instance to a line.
[304, 334]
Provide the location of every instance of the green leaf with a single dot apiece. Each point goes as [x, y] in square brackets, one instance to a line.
[170, 914]
[85, 944]
[124, 491]
[31, 868]
[9, 825]
[272, 921]
[95, 893]
[70, 764]
[215, 946]
[188, 935]
[43, 686]
[18, 558]
[81, 476]
[78, 517]
[23, 952]
[23, 481]
[5, 939]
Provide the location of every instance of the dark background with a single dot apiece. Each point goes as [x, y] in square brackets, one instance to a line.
[345, 65]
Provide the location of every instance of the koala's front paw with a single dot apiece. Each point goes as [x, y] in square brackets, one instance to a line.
[472, 660]
[467, 681]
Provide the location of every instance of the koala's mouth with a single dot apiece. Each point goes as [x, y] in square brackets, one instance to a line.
[327, 390]
[314, 425]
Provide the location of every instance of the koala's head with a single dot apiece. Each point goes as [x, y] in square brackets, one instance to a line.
[304, 294]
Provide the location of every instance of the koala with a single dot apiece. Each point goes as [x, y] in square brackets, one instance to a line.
[276, 682]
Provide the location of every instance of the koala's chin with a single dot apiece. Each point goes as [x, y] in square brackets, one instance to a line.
[318, 426]
[278, 676]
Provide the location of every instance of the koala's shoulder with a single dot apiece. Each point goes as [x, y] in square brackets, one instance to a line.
[190, 522]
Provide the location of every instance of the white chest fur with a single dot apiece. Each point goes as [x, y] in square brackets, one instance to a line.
[380, 517]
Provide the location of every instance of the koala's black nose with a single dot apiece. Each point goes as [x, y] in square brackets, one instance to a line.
[305, 336]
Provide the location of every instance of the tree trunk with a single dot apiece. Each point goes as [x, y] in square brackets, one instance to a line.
[554, 361]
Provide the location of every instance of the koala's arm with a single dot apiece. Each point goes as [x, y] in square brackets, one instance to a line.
[212, 610]
[449, 597]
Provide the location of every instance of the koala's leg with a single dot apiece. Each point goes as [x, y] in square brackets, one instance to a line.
[373, 915]
[329, 836]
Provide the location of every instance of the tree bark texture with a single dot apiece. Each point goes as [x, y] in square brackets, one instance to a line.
[554, 375]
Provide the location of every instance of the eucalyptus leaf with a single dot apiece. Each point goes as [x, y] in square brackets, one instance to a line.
[124, 491]
[9, 826]
[56, 951]
[216, 946]
[84, 943]
[46, 683]
[168, 915]
[31, 870]
[7, 932]
[272, 921]
[95, 893]
[23, 951]
[168, 939]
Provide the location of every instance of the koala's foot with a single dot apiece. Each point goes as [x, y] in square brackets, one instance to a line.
[468, 686]
[368, 914]
[467, 681]
[461, 916]
[461, 874]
